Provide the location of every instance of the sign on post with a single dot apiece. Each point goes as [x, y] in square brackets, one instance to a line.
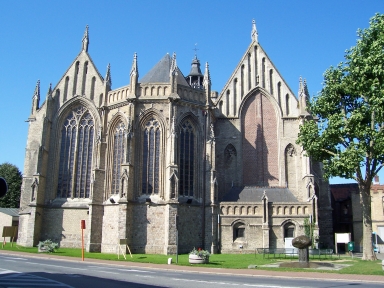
[124, 243]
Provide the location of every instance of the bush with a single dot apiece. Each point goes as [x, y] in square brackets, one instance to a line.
[48, 246]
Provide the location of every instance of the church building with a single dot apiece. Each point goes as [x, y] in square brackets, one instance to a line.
[168, 164]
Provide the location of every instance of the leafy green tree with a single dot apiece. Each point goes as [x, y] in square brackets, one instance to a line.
[13, 177]
[347, 133]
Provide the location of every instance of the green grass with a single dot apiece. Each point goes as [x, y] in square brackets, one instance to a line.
[234, 261]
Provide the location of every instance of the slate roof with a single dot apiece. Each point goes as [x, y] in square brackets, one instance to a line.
[160, 73]
[14, 212]
[255, 194]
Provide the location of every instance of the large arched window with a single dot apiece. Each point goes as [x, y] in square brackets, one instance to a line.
[118, 156]
[151, 157]
[77, 133]
[187, 158]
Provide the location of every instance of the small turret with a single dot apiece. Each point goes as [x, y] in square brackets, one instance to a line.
[195, 77]
[254, 34]
[36, 98]
[85, 40]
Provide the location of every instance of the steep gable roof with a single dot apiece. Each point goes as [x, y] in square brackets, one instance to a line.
[160, 73]
[255, 194]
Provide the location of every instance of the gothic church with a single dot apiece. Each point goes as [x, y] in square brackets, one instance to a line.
[168, 164]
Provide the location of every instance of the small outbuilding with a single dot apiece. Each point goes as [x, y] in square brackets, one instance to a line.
[8, 217]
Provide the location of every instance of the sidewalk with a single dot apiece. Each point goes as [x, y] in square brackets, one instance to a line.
[243, 272]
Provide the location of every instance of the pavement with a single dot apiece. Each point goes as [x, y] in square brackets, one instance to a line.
[224, 271]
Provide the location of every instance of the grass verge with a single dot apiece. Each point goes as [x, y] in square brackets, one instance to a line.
[234, 261]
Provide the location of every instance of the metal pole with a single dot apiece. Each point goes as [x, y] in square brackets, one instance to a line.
[177, 238]
[82, 244]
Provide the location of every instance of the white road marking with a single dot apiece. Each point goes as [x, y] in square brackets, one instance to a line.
[9, 278]
[14, 258]
[233, 284]
[144, 276]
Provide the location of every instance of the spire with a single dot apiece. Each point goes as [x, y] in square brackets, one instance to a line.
[173, 74]
[50, 89]
[173, 64]
[49, 93]
[303, 96]
[85, 40]
[36, 98]
[134, 69]
[254, 34]
[301, 88]
[134, 77]
[207, 75]
[306, 89]
[207, 84]
[108, 79]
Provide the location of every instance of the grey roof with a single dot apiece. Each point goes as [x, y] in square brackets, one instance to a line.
[160, 73]
[255, 194]
[10, 211]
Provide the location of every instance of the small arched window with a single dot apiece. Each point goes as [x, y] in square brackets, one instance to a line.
[289, 230]
[239, 231]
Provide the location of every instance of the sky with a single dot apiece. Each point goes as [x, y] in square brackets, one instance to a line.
[40, 39]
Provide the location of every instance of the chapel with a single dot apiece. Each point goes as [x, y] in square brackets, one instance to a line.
[168, 164]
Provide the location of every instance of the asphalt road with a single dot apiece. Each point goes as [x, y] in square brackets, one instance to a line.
[27, 271]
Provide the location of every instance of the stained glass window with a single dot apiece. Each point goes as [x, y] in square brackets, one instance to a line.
[151, 157]
[77, 134]
[187, 146]
[118, 156]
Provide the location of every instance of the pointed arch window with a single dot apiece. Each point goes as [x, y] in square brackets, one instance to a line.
[151, 157]
[287, 104]
[76, 149]
[118, 156]
[187, 158]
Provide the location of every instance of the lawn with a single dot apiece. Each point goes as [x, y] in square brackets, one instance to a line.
[235, 261]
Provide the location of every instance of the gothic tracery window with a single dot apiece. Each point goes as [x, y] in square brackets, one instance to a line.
[187, 156]
[118, 156]
[151, 157]
[76, 149]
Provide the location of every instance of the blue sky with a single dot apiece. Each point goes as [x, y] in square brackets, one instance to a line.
[40, 39]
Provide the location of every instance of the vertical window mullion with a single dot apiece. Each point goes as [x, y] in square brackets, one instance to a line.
[89, 162]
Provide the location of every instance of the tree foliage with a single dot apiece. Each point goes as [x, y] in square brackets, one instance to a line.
[13, 177]
[347, 134]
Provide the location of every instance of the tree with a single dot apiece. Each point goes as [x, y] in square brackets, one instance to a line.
[346, 130]
[13, 177]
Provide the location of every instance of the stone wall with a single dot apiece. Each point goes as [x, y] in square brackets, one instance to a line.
[63, 226]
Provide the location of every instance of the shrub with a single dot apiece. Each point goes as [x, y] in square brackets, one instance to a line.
[48, 246]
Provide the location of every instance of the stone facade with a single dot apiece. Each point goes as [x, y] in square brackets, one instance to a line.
[168, 164]
[377, 212]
